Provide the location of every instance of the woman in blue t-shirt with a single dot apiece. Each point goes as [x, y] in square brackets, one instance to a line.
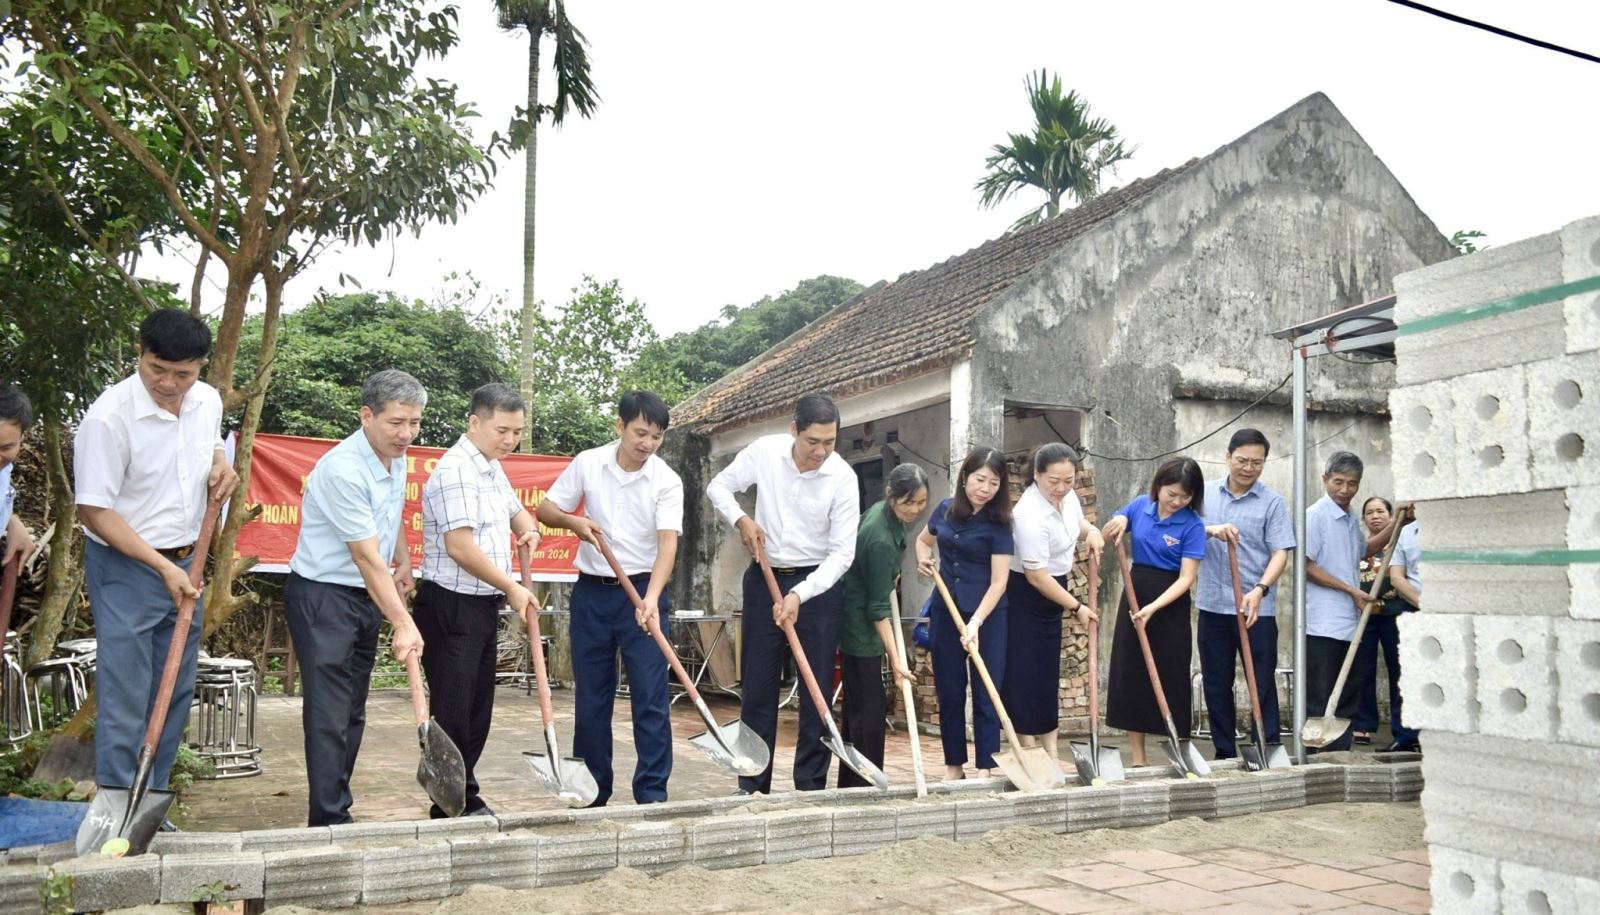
[973, 533]
[1169, 540]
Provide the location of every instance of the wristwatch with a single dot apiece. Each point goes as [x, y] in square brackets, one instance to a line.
[1263, 586]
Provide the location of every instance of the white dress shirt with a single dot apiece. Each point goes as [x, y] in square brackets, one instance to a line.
[810, 518]
[630, 508]
[147, 464]
[468, 490]
[1046, 537]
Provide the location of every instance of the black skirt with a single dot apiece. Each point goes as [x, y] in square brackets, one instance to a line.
[1033, 658]
[1131, 704]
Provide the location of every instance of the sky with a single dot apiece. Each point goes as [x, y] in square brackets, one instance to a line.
[740, 147]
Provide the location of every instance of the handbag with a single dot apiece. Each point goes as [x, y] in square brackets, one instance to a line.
[920, 633]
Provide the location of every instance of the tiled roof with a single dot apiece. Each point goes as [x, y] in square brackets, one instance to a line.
[894, 331]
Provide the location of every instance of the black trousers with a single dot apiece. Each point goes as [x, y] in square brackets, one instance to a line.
[765, 649]
[865, 712]
[1324, 657]
[459, 632]
[1217, 639]
[335, 634]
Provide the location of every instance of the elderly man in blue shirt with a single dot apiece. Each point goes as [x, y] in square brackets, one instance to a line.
[1243, 511]
[341, 586]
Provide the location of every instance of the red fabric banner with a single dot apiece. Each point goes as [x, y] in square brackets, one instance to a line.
[279, 465]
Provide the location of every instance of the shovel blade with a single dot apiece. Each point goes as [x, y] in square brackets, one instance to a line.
[1185, 758]
[568, 779]
[861, 765]
[1087, 764]
[734, 748]
[1278, 757]
[1319, 732]
[440, 770]
[1030, 768]
[1109, 762]
[110, 819]
[1251, 757]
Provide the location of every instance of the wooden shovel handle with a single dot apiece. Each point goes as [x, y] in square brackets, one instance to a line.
[1361, 625]
[799, 652]
[1094, 643]
[1244, 633]
[419, 696]
[977, 662]
[180, 628]
[547, 711]
[1138, 627]
[653, 624]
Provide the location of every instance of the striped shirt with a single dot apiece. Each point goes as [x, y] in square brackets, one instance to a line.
[466, 490]
[1264, 528]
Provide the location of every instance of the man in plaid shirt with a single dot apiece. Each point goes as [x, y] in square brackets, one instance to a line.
[469, 514]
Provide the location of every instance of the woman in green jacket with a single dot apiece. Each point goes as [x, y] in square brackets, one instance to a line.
[864, 633]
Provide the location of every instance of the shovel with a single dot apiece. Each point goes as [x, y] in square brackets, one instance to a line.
[1319, 732]
[122, 820]
[1097, 763]
[899, 648]
[1029, 768]
[733, 747]
[847, 753]
[1182, 754]
[1262, 755]
[440, 769]
[566, 777]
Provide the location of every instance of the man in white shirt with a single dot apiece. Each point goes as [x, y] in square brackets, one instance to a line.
[147, 455]
[16, 415]
[807, 510]
[635, 501]
[469, 514]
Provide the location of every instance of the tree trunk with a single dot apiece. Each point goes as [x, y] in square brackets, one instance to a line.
[530, 305]
[64, 576]
[225, 351]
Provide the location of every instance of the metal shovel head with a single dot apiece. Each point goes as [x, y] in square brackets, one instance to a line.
[1030, 768]
[440, 770]
[567, 778]
[1088, 766]
[734, 748]
[1321, 731]
[117, 826]
[1185, 758]
[1278, 757]
[852, 757]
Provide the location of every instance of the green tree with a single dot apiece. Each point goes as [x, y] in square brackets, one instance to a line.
[1064, 156]
[574, 90]
[1465, 241]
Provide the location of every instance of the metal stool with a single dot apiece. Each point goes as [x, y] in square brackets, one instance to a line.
[16, 714]
[223, 727]
[55, 688]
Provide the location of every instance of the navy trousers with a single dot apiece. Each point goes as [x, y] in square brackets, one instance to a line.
[603, 624]
[1382, 633]
[952, 670]
[459, 632]
[1324, 657]
[765, 649]
[133, 620]
[1217, 638]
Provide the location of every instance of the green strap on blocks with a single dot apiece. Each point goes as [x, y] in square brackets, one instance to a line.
[1498, 306]
[1511, 557]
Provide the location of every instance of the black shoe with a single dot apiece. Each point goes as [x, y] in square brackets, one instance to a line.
[742, 792]
[166, 826]
[1403, 746]
[1363, 739]
[481, 810]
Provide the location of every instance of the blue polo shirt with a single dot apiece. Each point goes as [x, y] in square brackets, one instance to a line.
[1335, 541]
[966, 550]
[1264, 529]
[1163, 544]
[350, 496]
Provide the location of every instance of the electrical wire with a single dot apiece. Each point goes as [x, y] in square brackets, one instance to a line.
[917, 454]
[1504, 33]
[1179, 450]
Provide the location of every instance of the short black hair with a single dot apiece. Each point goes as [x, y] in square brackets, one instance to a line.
[814, 410]
[1186, 473]
[1054, 453]
[998, 509]
[648, 404]
[15, 408]
[496, 397]
[1248, 437]
[174, 335]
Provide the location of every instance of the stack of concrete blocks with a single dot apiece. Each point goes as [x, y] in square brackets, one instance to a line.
[1496, 431]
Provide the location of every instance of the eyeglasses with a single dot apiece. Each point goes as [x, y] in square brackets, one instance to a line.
[1249, 463]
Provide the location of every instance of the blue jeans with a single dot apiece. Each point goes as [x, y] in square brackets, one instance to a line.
[1383, 632]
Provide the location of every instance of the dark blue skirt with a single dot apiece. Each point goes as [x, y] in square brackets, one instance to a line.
[1033, 658]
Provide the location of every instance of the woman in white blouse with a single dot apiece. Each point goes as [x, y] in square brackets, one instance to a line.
[1045, 523]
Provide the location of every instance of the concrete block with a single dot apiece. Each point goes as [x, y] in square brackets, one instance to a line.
[19, 888]
[100, 883]
[1539, 590]
[1144, 803]
[1045, 810]
[1564, 420]
[507, 861]
[193, 843]
[1583, 533]
[978, 815]
[1496, 342]
[1439, 687]
[1463, 882]
[795, 835]
[1097, 807]
[1526, 890]
[728, 841]
[1529, 520]
[970, 786]
[266, 840]
[366, 835]
[576, 856]
[856, 797]
[433, 830]
[1516, 676]
[656, 846]
[690, 809]
[1281, 789]
[1577, 667]
[543, 819]
[1587, 893]
[1238, 796]
[322, 877]
[626, 813]
[1192, 797]
[1491, 420]
[1423, 434]
[1580, 259]
[858, 830]
[1324, 783]
[930, 818]
[220, 876]
[406, 872]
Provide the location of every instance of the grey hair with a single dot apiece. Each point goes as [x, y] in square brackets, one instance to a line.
[392, 386]
[1344, 462]
[904, 481]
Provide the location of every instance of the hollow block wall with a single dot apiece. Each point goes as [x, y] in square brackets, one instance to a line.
[1496, 431]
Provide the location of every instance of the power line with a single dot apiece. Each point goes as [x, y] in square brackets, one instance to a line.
[1179, 450]
[1504, 33]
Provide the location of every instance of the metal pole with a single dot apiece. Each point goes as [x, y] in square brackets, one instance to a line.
[1300, 463]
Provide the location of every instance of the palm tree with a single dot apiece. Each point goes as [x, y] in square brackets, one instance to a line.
[1064, 155]
[574, 90]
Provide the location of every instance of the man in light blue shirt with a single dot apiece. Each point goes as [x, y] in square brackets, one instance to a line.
[341, 587]
[1405, 574]
[1244, 511]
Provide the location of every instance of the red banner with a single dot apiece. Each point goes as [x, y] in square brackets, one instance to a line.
[279, 465]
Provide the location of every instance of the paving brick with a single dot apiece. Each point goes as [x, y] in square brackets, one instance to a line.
[366, 835]
[19, 888]
[265, 840]
[1369, 783]
[433, 830]
[855, 797]
[322, 877]
[220, 876]
[656, 847]
[969, 786]
[1094, 808]
[1144, 803]
[1564, 420]
[728, 841]
[1102, 875]
[1407, 873]
[1324, 783]
[1238, 796]
[543, 819]
[1065, 900]
[406, 872]
[189, 843]
[576, 856]
[936, 818]
[1214, 877]
[1577, 666]
[1045, 810]
[1389, 898]
[1244, 859]
[1464, 882]
[1423, 440]
[626, 813]
[1281, 789]
[507, 861]
[1516, 676]
[1437, 653]
[858, 830]
[100, 883]
[1148, 859]
[1171, 896]
[978, 815]
[1408, 781]
[1192, 797]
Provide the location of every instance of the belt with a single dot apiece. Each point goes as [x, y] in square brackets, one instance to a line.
[607, 580]
[177, 553]
[789, 570]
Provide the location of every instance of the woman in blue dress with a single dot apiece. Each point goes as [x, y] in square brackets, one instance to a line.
[972, 531]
